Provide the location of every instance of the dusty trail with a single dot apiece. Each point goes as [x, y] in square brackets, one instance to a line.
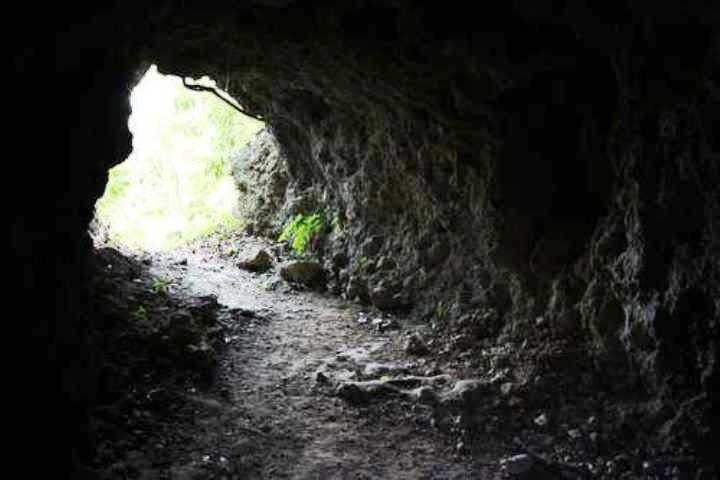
[306, 386]
[271, 414]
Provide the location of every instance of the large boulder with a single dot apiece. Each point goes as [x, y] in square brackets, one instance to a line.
[304, 272]
[259, 261]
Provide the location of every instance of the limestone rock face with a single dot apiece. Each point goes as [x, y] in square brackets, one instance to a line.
[261, 177]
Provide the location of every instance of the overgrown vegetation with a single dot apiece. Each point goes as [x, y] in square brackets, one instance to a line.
[303, 231]
[176, 184]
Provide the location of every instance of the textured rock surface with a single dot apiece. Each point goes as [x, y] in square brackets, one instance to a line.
[261, 178]
[258, 261]
[543, 159]
[302, 272]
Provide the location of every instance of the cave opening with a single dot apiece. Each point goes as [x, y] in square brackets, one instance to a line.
[176, 185]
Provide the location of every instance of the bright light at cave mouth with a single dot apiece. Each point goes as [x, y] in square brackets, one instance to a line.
[176, 185]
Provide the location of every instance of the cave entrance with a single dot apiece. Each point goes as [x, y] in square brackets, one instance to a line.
[176, 185]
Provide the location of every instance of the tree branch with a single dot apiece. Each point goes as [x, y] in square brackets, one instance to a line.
[214, 91]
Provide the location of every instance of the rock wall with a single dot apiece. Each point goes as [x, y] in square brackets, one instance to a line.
[261, 178]
[68, 126]
[538, 160]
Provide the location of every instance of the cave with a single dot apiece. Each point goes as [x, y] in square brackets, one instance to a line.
[539, 178]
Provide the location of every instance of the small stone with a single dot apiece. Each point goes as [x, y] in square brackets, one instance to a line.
[518, 465]
[466, 393]
[425, 395]
[541, 420]
[385, 298]
[506, 388]
[387, 324]
[320, 377]
[362, 392]
[303, 272]
[574, 433]
[515, 401]
[415, 346]
[351, 393]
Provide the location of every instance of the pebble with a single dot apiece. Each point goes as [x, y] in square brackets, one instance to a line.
[518, 464]
[506, 388]
[425, 394]
[541, 420]
[514, 401]
[415, 346]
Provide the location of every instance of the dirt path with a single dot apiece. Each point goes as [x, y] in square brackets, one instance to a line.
[272, 411]
[306, 386]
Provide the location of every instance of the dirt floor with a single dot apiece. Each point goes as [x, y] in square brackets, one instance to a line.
[215, 372]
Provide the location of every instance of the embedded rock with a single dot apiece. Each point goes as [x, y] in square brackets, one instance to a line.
[386, 297]
[416, 346]
[303, 272]
[260, 261]
[362, 392]
[466, 394]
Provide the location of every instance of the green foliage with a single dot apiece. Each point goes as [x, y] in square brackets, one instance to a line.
[302, 230]
[176, 184]
[140, 314]
[160, 285]
[441, 311]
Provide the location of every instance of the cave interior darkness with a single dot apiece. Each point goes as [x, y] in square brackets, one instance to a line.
[539, 160]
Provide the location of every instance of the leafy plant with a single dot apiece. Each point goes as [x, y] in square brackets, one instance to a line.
[140, 314]
[441, 311]
[302, 231]
[160, 285]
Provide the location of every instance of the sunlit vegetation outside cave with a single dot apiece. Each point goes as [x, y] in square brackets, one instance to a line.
[176, 185]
